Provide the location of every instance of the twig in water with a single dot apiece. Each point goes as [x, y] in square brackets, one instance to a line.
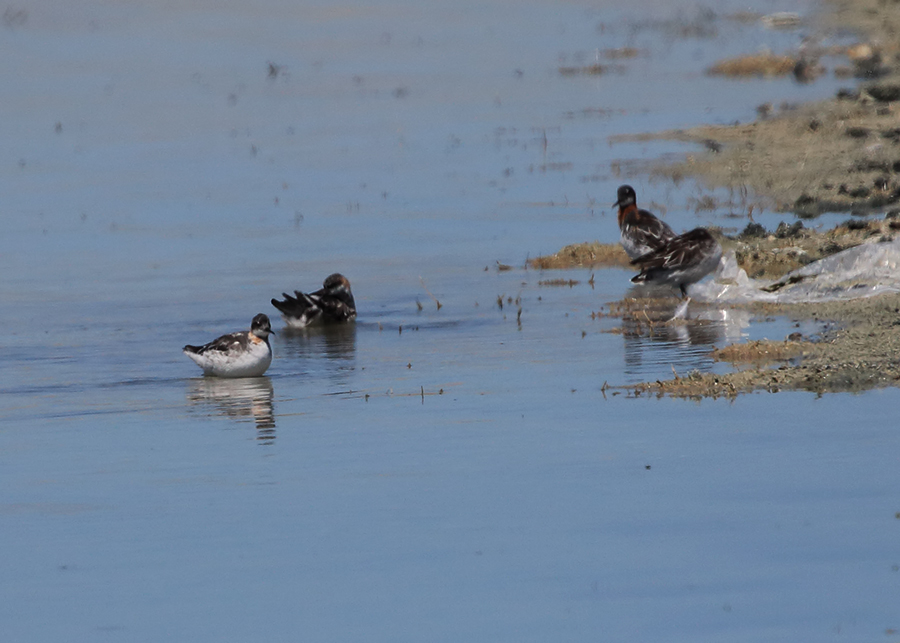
[429, 293]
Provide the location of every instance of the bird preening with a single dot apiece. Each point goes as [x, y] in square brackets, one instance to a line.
[333, 303]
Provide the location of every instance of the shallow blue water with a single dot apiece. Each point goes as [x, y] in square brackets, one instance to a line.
[437, 474]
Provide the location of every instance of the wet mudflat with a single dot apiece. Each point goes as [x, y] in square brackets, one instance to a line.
[452, 472]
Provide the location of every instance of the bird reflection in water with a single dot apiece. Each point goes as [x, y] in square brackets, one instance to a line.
[242, 399]
[326, 351]
[655, 343]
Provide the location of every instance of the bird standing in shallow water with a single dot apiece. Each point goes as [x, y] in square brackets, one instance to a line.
[680, 261]
[243, 354]
[333, 303]
[641, 231]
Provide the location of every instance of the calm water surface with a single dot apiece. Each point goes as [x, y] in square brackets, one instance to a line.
[452, 473]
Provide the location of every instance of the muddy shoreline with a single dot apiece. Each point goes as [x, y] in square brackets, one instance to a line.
[857, 352]
[837, 155]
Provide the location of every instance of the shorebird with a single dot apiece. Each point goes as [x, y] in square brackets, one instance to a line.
[680, 261]
[243, 354]
[333, 303]
[641, 231]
